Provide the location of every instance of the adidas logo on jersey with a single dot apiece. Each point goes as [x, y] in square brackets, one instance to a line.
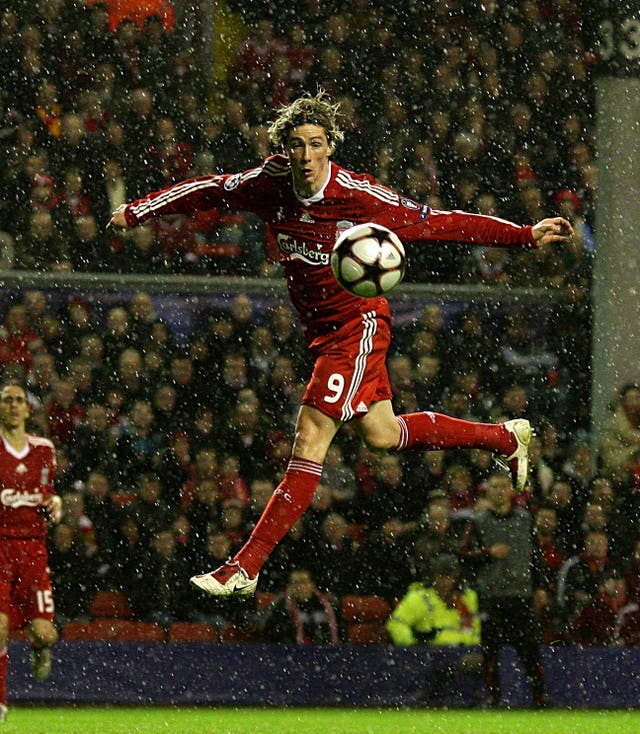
[362, 408]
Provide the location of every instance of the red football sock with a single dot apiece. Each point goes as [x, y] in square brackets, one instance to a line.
[4, 665]
[432, 431]
[287, 504]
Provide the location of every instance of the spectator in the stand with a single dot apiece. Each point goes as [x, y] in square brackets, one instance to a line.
[64, 412]
[525, 359]
[167, 599]
[42, 376]
[339, 477]
[435, 536]
[18, 341]
[129, 376]
[73, 573]
[302, 615]
[83, 378]
[183, 380]
[36, 309]
[391, 541]
[620, 443]
[137, 449]
[561, 498]
[610, 618]
[142, 316]
[203, 431]
[177, 468]
[139, 122]
[116, 336]
[261, 353]
[105, 517]
[260, 491]
[204, 510]
[500, 542]
[335, 557]
[428, 380]
[232, 521]
[90, 445]
[149, 510]
[186, 542]
[580, 466]
[580, 575]
[246, 437]
[165, 408]
[78, 325]
[549, 546]
[458, 485]
[233, 485]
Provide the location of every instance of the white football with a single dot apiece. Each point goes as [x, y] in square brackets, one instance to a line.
[368, 260]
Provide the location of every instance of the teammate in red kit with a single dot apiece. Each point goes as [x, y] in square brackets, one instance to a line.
[306, 201]
[27, 499]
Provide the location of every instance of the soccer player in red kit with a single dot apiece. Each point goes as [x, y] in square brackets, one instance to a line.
[306, 201]
[27, 499]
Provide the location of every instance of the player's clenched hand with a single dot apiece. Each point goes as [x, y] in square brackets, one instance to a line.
[52, 503]
[117, 217]
[554, 229]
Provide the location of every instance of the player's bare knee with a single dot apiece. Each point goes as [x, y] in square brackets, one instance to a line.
[379, 443]
[43, 633]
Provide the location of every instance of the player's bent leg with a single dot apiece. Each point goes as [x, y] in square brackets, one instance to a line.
[239, 575]
[435, 431]
[43, 635]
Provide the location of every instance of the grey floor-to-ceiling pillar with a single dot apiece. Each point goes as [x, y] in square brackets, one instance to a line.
[616, 343]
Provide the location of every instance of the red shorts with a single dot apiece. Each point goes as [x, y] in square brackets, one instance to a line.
[351, 372]
[25, 584]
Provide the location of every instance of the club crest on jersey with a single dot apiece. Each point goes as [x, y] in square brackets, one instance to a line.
[21, 469]
[12, 498]
[342, 226]
[306, 217]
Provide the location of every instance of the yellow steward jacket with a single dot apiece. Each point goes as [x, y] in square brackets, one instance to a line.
[424, 617]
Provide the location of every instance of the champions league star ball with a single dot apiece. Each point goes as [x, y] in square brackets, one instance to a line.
[368, 260]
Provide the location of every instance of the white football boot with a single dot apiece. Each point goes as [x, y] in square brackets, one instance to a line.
[230, 579]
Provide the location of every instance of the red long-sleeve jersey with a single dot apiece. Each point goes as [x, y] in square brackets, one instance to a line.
[26, 478]
[302, 232]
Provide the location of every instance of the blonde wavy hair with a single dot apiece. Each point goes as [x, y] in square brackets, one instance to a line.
[307, 110]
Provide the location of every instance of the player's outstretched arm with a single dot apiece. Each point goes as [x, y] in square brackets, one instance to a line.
[118, 218]
[554, 229]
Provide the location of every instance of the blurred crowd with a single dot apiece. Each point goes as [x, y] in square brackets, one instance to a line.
[168, 453]
[482, 107]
